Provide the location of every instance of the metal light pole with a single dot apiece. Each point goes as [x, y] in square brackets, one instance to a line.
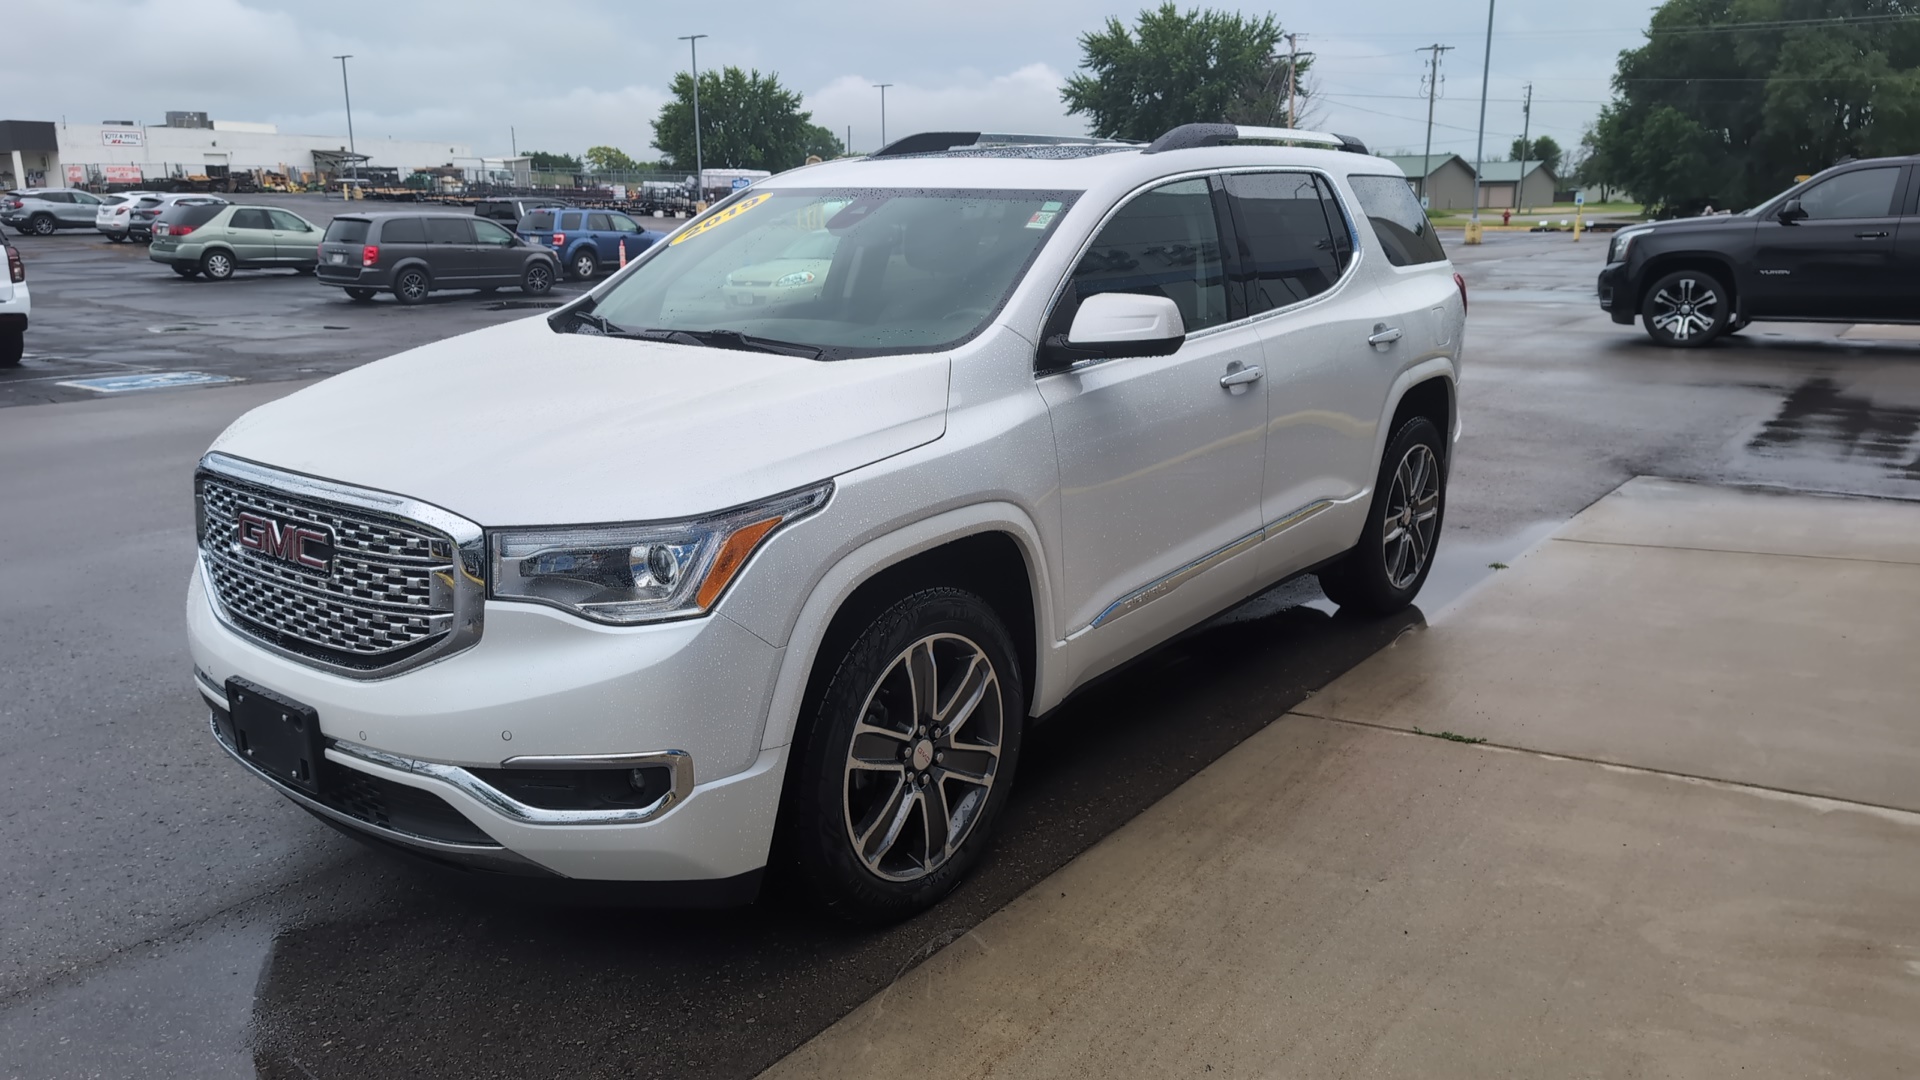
[1480, 144]
[882, 87]
[1433, 91]
[1526, 129]
[699, 163]
[348, 94]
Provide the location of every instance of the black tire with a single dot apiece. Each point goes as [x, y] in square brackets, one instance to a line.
[1385, 570]
[410, 286]
[1686, 309]
[362, 295]
[217, 265]
[303, 271]
[583, 264]
[13, 345]
[537, 279]
[116, 238]
[831, 802]
[41, 225]
[187, 271]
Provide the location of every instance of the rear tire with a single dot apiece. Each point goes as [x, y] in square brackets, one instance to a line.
[13, 345]
[909, 760]
[411, 286]
[584, 265]
[1385, 570]
[362, 295]
[41, 225]
[187, 271]
[537, 280]
[1686, 309]
[217, 265]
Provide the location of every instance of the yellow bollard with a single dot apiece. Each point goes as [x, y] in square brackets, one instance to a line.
[1473, 230]
[1576, 225]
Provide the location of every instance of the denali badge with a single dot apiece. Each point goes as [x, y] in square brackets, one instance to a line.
[302, 545]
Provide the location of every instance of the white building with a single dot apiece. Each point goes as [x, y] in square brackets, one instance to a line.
[131, 153]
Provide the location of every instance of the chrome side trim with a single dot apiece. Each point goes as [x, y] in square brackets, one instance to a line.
[679, 762]
[1138, 599]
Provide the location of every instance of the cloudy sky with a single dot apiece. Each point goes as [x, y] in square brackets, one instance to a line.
[567, 74]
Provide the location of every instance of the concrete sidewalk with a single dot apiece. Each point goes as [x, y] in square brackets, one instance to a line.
[1689, 847]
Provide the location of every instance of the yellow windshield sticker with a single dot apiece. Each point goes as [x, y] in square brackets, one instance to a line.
[722, 217]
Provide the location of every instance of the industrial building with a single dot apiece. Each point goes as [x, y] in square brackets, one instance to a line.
[38, 153]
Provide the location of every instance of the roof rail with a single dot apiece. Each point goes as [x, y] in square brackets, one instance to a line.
[933, 142]
[1188, 136]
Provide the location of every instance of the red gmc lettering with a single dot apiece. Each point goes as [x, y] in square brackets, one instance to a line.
[285, 542]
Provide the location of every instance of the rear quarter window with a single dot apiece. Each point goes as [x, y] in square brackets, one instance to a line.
[1397, 220]
[538, 221]
[346, 231]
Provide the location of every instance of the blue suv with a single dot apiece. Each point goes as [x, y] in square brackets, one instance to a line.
[586, 240]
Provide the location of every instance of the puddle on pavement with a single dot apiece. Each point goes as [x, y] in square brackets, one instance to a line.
[1819, 415]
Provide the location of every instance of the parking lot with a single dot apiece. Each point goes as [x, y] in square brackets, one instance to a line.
[168, 915]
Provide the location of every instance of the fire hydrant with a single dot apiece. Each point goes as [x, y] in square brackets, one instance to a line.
[1506, 217]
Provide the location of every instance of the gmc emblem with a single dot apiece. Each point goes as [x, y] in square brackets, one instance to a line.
[301, 545]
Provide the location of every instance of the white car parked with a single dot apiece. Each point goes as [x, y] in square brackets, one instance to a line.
[16, 305]
[665, 588]
[115, 214]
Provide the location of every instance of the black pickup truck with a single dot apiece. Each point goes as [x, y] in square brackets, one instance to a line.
[1842, 246]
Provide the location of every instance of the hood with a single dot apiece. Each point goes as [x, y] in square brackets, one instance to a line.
[518, 425]
[1691, 224]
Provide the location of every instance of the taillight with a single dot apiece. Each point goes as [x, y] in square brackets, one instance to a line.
[15, 204]
[1461, 284]
[370, 255]
[179, 230]
[18, 268]
[559, 239]
[118, 210]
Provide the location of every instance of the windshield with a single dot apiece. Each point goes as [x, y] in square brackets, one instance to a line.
[841, 272]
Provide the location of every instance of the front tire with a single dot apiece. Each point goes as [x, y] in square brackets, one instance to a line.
[411, 286]
[1686, 309]
[362, 295]
[13, 345]
[537, 280]
[909, 760]
[216, 265]
[1385, 570]
[41, 225]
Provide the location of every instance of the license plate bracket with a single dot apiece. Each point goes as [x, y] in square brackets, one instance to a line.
[276, 734]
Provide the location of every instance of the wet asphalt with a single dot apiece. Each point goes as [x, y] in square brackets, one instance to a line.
[166, 916]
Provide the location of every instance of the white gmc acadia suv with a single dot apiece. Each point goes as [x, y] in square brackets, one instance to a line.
[681, 582]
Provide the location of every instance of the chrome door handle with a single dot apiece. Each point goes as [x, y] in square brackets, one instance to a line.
[1384, 334]
[1238, 378]
[1869, 236]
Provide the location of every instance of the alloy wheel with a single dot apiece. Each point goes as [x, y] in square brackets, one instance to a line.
[538, 280]
[583, 267]
[413, 285]
[1413, 508]
[43, 226]
[1685, 308]
[218, 266]
[923, 758]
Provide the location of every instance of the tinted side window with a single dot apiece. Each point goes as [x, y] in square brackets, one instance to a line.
[1397, 220]
[486, 232]
[286, 222]
[1858, 194]
[570, 221]
[406, 230]
[347, 231]
[1286, 244]
[538, 221]
[248, 219]
[444, 229]
[1337, 220]
[599, 223]
[1163, 243]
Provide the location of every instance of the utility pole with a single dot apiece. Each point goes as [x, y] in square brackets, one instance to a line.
[1526, 129]
[1433, 91]
[348, 93]
[1293, 64]
[699, 163]
[882, 87]
[513, 140]
[847, 147]
[1480, 143]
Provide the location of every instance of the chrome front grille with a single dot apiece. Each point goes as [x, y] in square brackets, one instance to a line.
[375, 589]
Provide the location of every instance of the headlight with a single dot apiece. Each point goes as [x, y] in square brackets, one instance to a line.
[799, 277]
[629, 574]
[1617, 251]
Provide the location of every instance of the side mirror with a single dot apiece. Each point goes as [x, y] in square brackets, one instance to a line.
[1790, 213]
[1109, 326]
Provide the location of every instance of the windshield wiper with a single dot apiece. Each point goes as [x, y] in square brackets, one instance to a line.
[586, 322]
[726, 339]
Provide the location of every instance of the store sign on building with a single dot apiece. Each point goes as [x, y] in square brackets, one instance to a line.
[122, 174]
[123, 137]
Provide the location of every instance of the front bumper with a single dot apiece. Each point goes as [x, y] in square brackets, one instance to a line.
[692, 695]
[1616, 298]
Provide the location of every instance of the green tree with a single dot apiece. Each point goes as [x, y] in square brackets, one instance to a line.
[1545, 149]
[822, 143]
[545, 162]
[1175, 68]
[1708, 111]
[610, 159]
[747, 121]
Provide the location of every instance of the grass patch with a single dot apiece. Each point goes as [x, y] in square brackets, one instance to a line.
[1449, 736]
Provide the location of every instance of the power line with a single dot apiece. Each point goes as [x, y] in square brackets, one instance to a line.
[1720, 28]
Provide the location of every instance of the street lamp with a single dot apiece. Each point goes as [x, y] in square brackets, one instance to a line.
[882, 87]
[699, 165]
[353, 162]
